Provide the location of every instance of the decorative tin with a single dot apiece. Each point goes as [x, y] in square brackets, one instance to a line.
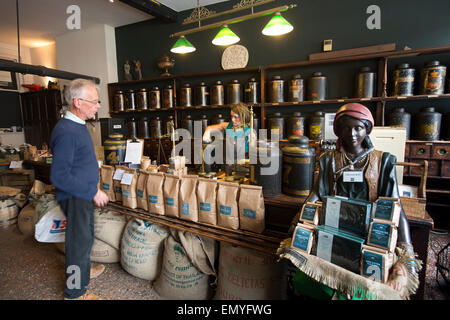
[295, 125]
[130, 100]
[365, 83]
[114, 148]
[217, 93]
[428, 124]
[143, 129]
[296, 93]
[141, 99]
[298, 167]
[201, 93]
[276, 89]
[119, 101]
[317, 87]
[433, 78]
[400, 118]
[316, 126]
[168, 97]
[155, 98]
[403, 80]
[276, 124]
[234, 92]
[251, 91]
[186, 95]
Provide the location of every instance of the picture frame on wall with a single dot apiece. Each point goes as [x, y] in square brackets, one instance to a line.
[8, 79]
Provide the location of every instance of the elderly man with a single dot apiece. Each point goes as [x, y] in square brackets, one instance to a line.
[75, 175]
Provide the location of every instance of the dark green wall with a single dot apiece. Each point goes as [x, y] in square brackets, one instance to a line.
[412, 23]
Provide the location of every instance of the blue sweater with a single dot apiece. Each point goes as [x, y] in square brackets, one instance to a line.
[74, 171]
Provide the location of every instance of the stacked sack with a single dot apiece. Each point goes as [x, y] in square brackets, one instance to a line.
[11, 201]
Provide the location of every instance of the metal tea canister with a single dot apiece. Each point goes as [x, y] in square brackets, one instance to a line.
[205, 123]
[428, 124]
[298, 167]
[141, 99]
[218, 119]
[400, 118]
[295, 125]
[201, 95]
[365, 83]
[155, 126]
[276, 89]
[167, 97]
[186, 95]
[234, 92]
[132, 128]
[114, 147]
[433, 78]
[188, 124]
[252, 91]
[317, 125]
[155, 98]
[317, 87]
[143, 128]
[119, 101]
[217, 93]
[403, 80]
[276, 124]
[296, 93]
[130, 100]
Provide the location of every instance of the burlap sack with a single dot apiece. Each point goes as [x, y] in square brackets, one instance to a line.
[227, 205]
[188, 209]
[107, 173]
[247, 274]
[129, 190]
[155, 193]
[118, 172]
[171, 190]
[141, 190]
[25, 220]
[108, 226]
[179, 278]
[251, 208]
[206, 197]
[103, 253]
[142, 248]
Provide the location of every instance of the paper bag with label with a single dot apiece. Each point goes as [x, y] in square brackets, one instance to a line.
[188, 209]
[206, 197]
[106, 184]
[155, 192]
[227, 205]
[117, 177]
[251, 208]
[141, 190]
[128, 184]
[171, 190]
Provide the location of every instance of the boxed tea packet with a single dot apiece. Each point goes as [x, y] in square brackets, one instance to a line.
[387, 209]
[128, 186]
[188, 205]
[383, 235]
[346, 214]
[339, 247]
[141, 189]
[227, 205]
[106, 174]
[251, 208]
[310, 213]
[155, 192]
[206, 197]
[171, 189]
[303, 237]
[376, 263]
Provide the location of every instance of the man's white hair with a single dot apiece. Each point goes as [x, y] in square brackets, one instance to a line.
[76, 89]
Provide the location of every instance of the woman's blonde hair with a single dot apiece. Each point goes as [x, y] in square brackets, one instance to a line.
[241, 109]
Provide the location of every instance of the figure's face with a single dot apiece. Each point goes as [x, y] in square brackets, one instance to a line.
[235, 119]
[352, 132]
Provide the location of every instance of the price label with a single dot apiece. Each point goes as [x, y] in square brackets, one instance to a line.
[16, 164]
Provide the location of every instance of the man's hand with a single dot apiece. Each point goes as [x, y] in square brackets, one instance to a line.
[101, 198]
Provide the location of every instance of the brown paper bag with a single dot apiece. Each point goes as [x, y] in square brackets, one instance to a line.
[188, 206]
[107, 173]
[171, 190]
[206, 197]
[141, 190]
[251, 208]
[128, 185]
[116, 182]
[227, 205]
[155, 192]
[145, 162]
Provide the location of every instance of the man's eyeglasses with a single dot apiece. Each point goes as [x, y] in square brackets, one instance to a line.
[91, 101]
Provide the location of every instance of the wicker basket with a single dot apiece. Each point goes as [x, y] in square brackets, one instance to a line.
[415, 207]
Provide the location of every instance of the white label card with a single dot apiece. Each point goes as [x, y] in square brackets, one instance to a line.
[118, 174]
[332, 210]
[325, 245]
[353, 176]
[15, 164]
[127, 178]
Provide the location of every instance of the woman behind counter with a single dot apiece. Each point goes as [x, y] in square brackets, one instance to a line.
[354, 152]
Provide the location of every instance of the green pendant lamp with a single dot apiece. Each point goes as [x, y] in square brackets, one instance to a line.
[277, 26]
[225, 37]
[182, 46]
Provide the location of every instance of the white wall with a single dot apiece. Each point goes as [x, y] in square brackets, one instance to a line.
[10, 52]
[44, 56]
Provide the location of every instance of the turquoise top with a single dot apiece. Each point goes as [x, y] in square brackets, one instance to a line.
[238, 133]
